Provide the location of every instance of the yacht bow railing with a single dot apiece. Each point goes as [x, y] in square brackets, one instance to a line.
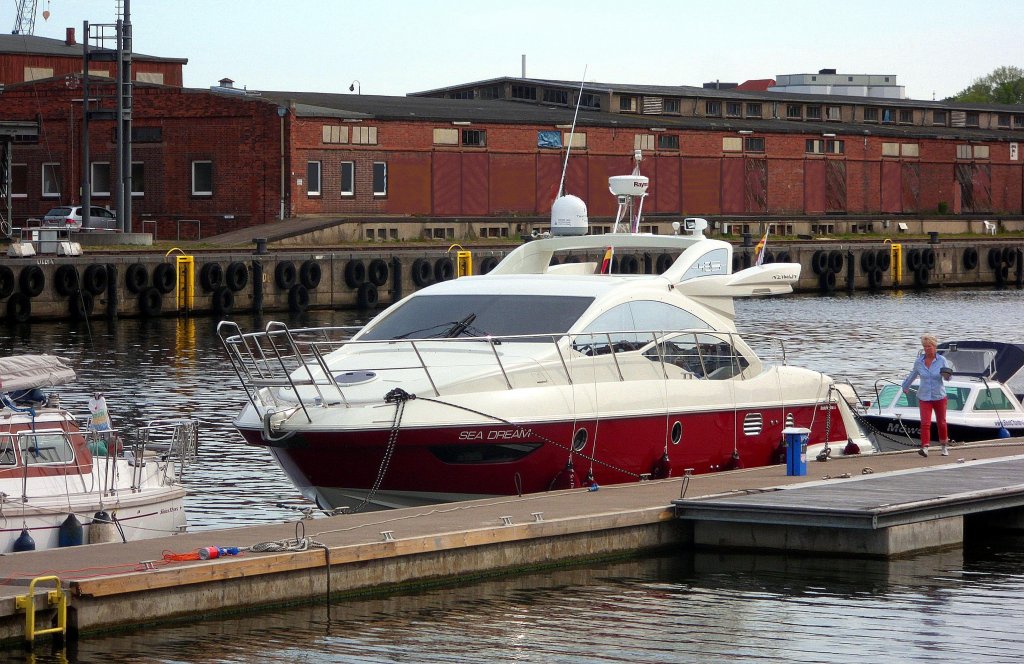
[280, 358]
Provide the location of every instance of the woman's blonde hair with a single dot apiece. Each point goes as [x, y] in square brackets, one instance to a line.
[929, 339]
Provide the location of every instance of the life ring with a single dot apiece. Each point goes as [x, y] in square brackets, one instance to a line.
[914, 260]
[80, 305]
[378, 272]
[222, 301]
[32, 280]
[367, 295]
[819, 262]
[995, 256]
[783, 257]
[1009, 256]
[94, 279]
[421, 272]
[150, 302]
[298, 299]
[489, 263]
[630, 264]
[867, 261]
[136, 278]
[444, 269]
[355, 273]
[19, 308]
[827, 281]
[236, 276]
[211, 276]
[65, 280]
[922, 276]
[970, 258]
[285, 275]
[663, 263]
[928, 259]
[883, 259]
[165, 277]
[6, 281]
[310, 274]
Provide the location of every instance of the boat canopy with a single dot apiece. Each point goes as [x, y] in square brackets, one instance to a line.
[28, 372]
[1003, 362]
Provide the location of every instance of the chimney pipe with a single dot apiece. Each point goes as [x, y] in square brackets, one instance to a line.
[524, 66]
[69, 37]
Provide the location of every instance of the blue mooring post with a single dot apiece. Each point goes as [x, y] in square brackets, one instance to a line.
[796, 450]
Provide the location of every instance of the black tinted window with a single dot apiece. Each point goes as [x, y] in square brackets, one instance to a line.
[437, 316]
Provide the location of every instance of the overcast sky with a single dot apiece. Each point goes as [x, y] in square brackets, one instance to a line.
[393, 47]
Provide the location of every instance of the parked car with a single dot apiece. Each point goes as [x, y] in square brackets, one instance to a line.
[70, 217]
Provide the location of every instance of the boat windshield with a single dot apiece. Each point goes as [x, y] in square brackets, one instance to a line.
[440, 316]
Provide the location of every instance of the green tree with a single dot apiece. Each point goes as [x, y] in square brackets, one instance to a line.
[1005, 85]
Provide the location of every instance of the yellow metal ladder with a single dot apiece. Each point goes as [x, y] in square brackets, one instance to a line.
[56, 597]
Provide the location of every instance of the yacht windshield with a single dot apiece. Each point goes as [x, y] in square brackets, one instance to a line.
[439, 316]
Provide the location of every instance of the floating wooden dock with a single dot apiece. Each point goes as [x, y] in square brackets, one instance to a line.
[919, 503]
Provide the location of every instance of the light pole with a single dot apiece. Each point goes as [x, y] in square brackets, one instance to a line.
[354, 86]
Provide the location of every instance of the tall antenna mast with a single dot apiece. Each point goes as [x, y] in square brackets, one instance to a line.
[572, 131]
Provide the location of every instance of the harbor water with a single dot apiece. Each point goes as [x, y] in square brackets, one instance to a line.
[676, 608]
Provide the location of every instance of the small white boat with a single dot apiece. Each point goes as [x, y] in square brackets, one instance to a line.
[982, 398]
[539, 375]
[63, 483]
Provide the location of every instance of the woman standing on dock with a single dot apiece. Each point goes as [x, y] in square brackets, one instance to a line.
[931, 393]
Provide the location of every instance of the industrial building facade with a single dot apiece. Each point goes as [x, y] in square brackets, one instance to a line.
[207, 161]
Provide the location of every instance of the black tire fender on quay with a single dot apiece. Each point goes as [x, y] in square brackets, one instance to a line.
[914, 260]
[136, 278]
[489, 262]
[367, 296]
[827, 281]
[783, 257]
[6, 281]
[883, 259]
[630, 264]
[421, 272]
[285, 275]
[19, 308]
[298, 299]
[874, 278]
[65, 280]
[663, 263]
[165, 277]
[444, 269]
[922, 276]
[377, 272]
[32, 280]
[868, 261]
[929, 258]
[80, 305]
[819, 261]
[236, 276]
[211, 276]
[995, 256]
[1009, 256]
[222, 301]
[970, 258]
[835, 260]
[355, 273]
[310, 274]
[150, 302]
[94, 279]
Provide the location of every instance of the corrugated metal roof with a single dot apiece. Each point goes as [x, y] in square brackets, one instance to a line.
[33, 45]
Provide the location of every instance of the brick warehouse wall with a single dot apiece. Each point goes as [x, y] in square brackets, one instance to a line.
[241, 135]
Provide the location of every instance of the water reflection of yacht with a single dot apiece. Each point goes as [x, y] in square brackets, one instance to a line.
[553, 370]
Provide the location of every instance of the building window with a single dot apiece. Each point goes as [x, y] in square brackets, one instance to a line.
[147, 134]
[380, 178]
[981, 152]
[149, 77]
[348, 178]
[671, 106]
[972, 119]
[816, 146]
[19, 180]
[36, 73]
[446, 136]
[910, 150]
[364, 135]
[627, 103]
[492, 92]
[814, 112]
[753, 110]
[890, 149]
[138, 179]
[476, 138]
[202, 178]
[668, 141]
[312, 178]
[335, 134]
[589, 100]
[461, 94]
[752, 144]
[733, 109]
[793, 112]
[1018, 120]
[939, 118]
[963, 152]
[51, 180]
[870, 115]
[99, 176]
[713, 109]
[524, 92]
[834, 113]
[560, 97]
[643, 142]
[1003, 120]
[888, 115]
[732, 144]
[578, 139]
[906, 116]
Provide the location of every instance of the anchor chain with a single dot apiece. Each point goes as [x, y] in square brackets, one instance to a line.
[399, 397]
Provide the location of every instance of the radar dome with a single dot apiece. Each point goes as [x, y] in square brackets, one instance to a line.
[568, 216]
[628, 185]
